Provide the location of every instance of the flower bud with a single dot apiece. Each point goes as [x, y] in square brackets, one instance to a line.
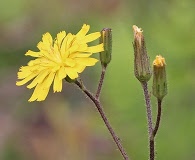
[159, 78]
[141, 60]
[106, 39]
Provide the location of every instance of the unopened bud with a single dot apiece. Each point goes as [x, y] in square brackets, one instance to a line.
[159, 78]
[106, 39]
[141, 60]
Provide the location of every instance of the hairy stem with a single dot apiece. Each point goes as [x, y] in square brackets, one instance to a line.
[158, 118]
[102, 113]
[149, 119]
[101, 81]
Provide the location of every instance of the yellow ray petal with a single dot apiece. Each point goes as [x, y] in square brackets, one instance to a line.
[86, 61]
[24, 72]
[78, 55]
[34, 62]
[25, 80]
[39, 93]
[41, 46]
[33, 54]
[46, 50]
[35, 94]
[55, 68]
[79, 68]
[38, 79]
[48, 53]
[73, 48]
[62, 73]
[47, 39]
[82, 47]
[85, 28]
[95, 49]
[70, 62]
[71, 72]
[48, 80]
[58, 42]
[56, 54]
[57, 86]
[43, 95]
[66, 44]
[91, 37]
[60, 37]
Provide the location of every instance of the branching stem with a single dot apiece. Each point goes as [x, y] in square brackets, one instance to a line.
[95, 100]
[101, 81]
[149, 119]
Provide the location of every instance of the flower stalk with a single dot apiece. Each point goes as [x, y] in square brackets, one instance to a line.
[158, 118]
[101, 82]
[143, 73]
[105, 58]
[159, 88]
[149, 119]
[99, 107]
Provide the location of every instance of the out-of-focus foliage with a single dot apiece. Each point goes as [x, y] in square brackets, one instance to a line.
[66, 125]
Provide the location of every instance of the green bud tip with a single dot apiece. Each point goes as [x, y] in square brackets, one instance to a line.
[106, 39]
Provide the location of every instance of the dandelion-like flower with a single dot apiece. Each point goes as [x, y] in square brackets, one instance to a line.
[65, 56]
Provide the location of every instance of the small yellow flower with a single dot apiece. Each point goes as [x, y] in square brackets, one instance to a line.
[159, 61]
[66, 55]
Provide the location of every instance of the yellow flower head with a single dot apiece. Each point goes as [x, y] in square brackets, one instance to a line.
[66, 55]
[159, 61]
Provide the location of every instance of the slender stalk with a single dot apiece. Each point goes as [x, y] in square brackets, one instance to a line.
[158, 118]
[101, 81]
[152, 149]
[102, 113]
[149, 119]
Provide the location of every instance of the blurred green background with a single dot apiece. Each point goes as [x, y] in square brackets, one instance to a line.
[66, 125]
